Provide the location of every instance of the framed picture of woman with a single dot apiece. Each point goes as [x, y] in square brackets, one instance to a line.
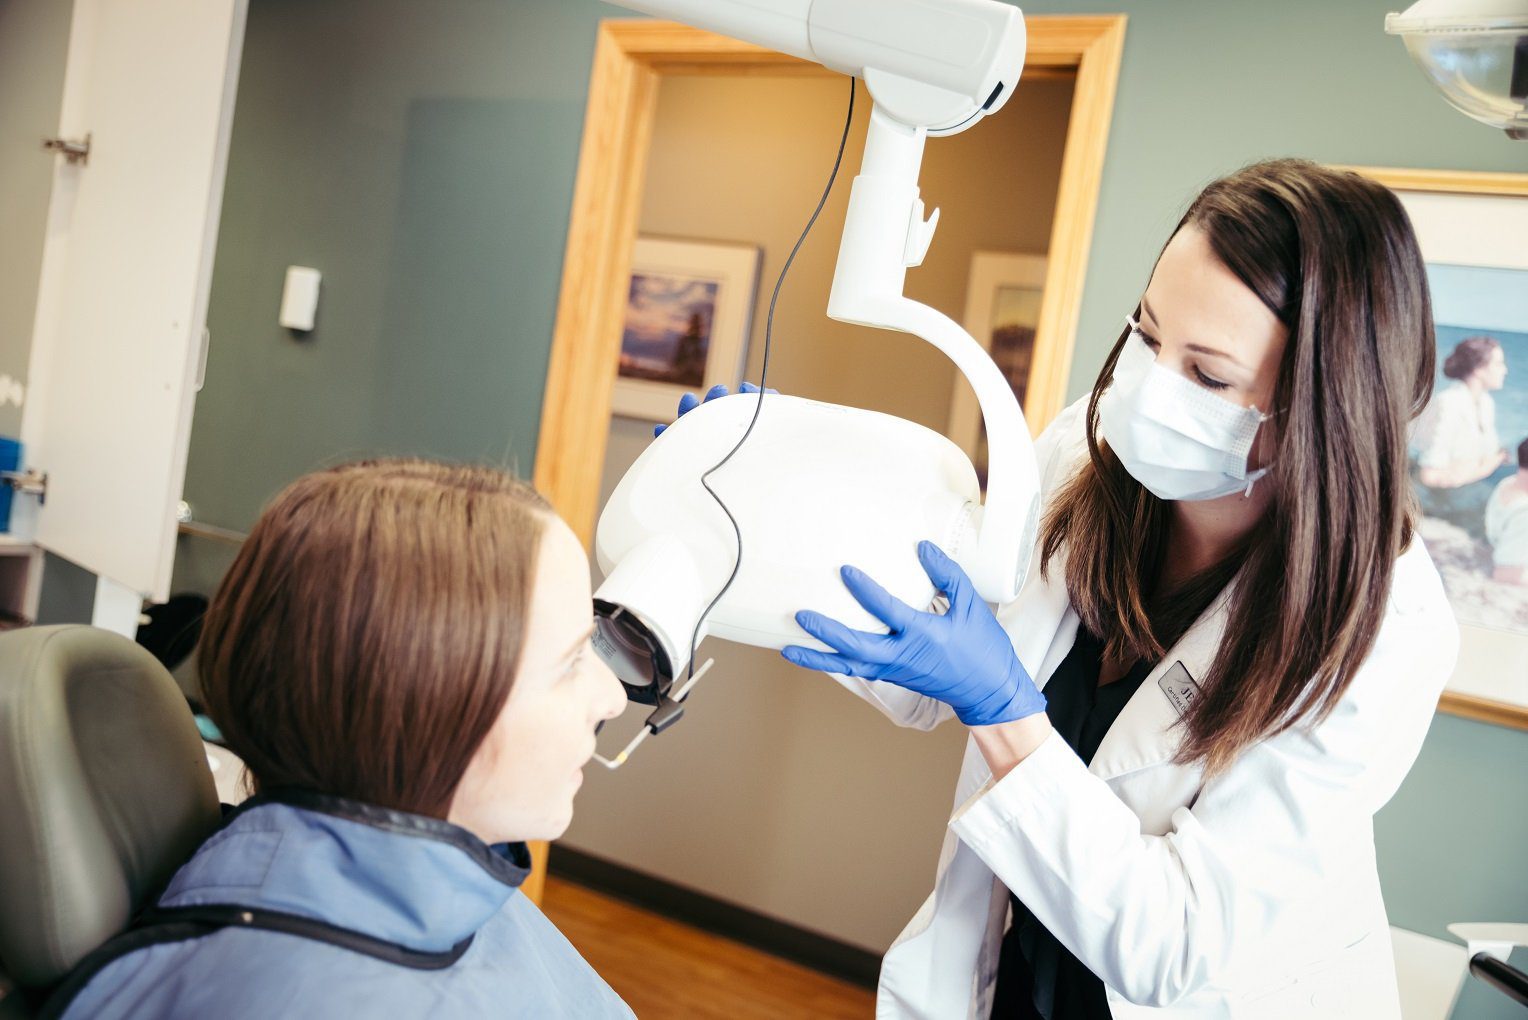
[1469, 447]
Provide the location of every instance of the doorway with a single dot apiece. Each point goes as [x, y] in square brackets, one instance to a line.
[778, 786]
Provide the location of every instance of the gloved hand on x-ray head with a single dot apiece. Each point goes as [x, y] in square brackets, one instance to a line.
[961, 657]
[690, 401]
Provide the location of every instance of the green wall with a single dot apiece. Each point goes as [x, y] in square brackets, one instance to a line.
[422, 156]
[1451, 842]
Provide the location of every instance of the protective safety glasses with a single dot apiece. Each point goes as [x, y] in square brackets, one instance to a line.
[639, 662]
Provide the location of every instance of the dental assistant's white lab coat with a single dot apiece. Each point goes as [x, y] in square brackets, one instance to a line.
[1252, 895]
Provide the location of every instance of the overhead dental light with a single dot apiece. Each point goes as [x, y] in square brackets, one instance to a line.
[742, 512]
[1476, 53]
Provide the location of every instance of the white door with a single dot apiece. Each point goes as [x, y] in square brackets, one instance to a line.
[118, 345]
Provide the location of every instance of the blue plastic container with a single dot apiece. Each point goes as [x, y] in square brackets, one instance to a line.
[10, 460]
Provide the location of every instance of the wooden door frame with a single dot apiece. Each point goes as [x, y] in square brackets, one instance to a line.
[630, 58]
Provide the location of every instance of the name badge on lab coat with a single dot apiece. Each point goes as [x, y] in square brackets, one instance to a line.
[1179, 688]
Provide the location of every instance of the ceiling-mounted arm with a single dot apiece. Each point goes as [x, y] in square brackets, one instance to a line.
[962, 58]
[933, 67]
[885, 233]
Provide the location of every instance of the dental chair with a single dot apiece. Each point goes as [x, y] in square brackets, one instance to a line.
[104, 793]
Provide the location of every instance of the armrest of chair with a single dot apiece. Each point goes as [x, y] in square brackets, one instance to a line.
[1495, 943]
[1496, 940]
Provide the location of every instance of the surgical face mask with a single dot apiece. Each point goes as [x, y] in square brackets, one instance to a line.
[1174, 437]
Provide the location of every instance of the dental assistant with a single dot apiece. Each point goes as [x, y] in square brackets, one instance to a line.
[1224, 660]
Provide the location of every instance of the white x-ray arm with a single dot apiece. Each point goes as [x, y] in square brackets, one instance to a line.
[933, 67]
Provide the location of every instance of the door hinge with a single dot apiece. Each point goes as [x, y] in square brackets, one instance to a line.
[77, 153]
[30, 482]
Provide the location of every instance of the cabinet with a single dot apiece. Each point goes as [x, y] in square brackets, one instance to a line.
[119, 341]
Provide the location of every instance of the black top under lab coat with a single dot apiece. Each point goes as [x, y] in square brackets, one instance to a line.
[1036, 976]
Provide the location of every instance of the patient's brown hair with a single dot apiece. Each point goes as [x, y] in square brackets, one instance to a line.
[366, 636]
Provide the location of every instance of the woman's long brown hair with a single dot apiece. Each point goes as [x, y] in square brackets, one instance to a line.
[1333, 255]
[367, 635]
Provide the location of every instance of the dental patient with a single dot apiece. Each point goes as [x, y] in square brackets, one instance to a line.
[401, 655]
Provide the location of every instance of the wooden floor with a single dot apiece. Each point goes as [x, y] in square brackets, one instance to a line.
[664, 969]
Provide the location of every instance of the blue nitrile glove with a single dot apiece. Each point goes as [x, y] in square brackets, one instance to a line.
[962, 657]
[690, 401]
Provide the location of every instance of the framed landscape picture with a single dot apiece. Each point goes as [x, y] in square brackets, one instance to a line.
[1469, 448]
[689, 305]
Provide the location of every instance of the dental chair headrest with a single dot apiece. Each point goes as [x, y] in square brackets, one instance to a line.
[104, 792]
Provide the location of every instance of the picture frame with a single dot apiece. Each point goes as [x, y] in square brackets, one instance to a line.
[1004, 296]
[689, 306]
[1473, 231]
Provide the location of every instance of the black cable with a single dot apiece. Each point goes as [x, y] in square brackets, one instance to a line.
[769, 326]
